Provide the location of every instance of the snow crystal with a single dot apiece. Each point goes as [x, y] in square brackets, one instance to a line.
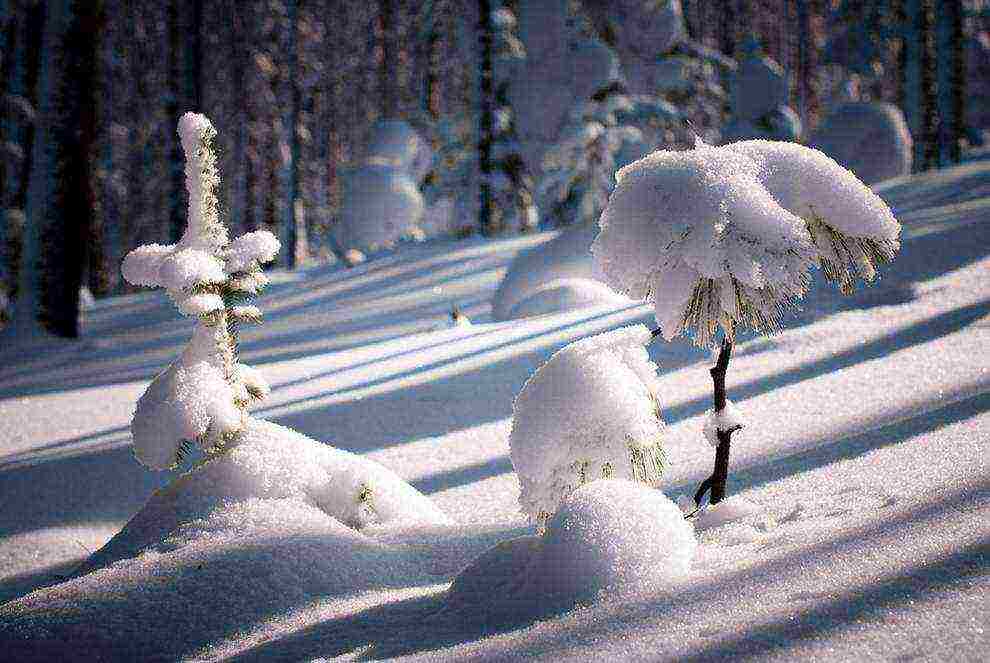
[253, 381]
[197, 305]
[251, 249]
[727, 419]
[589, 411]
[141, 266]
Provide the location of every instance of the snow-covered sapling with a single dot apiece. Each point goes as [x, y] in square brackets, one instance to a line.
[202, 397]
[721, 237]
[589, 412]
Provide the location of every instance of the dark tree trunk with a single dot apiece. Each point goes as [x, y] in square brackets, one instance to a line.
[431, 83]
[175, 104]
[487, 219]
[293, 226]
[727, 28]
[72, 136]
[929, 100]
[386, 71]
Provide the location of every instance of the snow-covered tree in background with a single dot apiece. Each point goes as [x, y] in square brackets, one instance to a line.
[600, 136]
[202, 397]
[590, 412]
[723, 237]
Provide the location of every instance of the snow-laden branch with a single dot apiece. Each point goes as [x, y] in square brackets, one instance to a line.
[203, 395]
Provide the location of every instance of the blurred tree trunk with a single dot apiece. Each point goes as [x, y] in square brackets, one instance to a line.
[293, 226]
[951, 56]
[71, 135]
[487, 216]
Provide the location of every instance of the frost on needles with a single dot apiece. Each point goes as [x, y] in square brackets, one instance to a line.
[202, 397]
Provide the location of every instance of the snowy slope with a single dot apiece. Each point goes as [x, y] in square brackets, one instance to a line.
[867, 429]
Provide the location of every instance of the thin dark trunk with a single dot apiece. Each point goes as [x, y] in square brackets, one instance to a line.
[716, 482]
[431, 91]
[727, 28]
[386, 73]
[929, 102]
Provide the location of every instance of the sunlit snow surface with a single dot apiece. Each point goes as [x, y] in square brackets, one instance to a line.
[865, 452]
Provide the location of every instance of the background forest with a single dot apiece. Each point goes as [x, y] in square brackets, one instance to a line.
[295, 86]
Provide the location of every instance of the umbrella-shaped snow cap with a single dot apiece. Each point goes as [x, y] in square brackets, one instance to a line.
[698, 233]
[853, 228]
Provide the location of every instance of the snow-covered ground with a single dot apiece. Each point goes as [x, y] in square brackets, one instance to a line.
[868, 420]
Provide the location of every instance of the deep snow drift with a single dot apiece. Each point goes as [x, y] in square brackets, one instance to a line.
[865, 455]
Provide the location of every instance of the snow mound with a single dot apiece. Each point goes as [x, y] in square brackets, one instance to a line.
[566, 256]
[609, 538]
[270, 462]
[870, 139]
[782, 123]
[381, 204]
[565, 295]
[616, 535]
[590, 411]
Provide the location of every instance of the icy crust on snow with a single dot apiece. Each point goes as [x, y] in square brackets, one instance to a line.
[610, 537]
[271, 462]
[726, 419]
[589, 411]
[726, 235]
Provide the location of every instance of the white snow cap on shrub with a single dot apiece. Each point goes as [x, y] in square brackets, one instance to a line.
[589, 411]
[725, 235]
[726, 419]
[253, 248]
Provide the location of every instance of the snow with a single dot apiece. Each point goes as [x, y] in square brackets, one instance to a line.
[609, 538]
[381, 205]
[725, 236]
[546, 278]
[591, 411]
[870, 139]
[867, 465]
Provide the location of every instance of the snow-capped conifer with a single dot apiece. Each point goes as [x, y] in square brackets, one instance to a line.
[589, 412]
[202, 397]
[725, 236]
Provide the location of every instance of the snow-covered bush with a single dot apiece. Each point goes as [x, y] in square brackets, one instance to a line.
[759, 100]
[870, 139]
[725, 236]
[591, 411]
[395, 143]
[381, 204]
[201, 398]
